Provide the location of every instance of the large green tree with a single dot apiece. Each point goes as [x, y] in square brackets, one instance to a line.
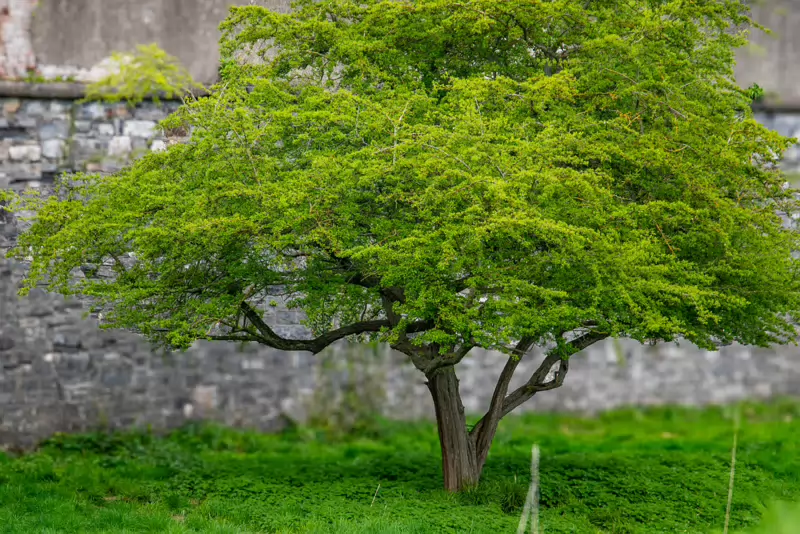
[444, 175]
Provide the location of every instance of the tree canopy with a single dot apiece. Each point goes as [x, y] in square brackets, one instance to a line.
[449, 174]
[516, 169]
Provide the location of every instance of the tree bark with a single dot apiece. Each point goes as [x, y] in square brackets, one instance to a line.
[459, 456]
[484, 431]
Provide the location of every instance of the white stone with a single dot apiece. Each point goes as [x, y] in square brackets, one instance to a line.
[158, 145]
[96, 111]
[763, 390]
[295, 408]
[25, 153]
[103, 69]
[205, 397]
[59, 108]
[145, 129]
[53, 149]
[53, 72]
[120, 147]
[252, 364]
[106, 129]
[61, 72]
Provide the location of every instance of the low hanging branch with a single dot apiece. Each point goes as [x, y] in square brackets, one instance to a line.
[267, 335]
[536, 383]
[502, 403]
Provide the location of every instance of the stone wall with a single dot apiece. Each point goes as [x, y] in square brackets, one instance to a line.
[787, 124]
[61, 372]
[42, 138]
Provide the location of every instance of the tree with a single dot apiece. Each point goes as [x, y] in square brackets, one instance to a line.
[446, 175]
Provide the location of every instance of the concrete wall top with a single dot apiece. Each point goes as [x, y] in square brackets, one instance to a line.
[773, 61]
[81, 33]
[70, 38]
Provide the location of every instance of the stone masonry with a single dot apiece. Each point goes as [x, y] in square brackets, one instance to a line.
[60, 372]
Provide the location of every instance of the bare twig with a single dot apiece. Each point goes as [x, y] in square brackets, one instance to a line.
[665, 239]
[375, 496]
[736, 416]
[531, 509]
[461, 161]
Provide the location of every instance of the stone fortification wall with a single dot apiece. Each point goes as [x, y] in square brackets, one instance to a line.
[60, 372]
[70, 39]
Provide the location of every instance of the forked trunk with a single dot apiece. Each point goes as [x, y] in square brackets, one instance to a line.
[459, 456]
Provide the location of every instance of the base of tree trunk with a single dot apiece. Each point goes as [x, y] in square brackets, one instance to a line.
[459, 457]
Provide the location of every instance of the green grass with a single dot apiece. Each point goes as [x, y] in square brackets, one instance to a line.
[663, 470]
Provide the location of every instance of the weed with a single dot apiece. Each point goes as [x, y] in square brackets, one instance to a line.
[633, 471]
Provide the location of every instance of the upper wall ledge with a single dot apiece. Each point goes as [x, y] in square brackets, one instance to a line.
[50, 90]
[77, 91]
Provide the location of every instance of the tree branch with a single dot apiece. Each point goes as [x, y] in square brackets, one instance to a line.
[234, 338]
[267, 335]
[403, 344]
[434, 363]
[502, 404]
[485, 429]
[357, 279]
[536, 382]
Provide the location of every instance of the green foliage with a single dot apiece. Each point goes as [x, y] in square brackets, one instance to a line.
[781, 518]
[651, 471]
[516, 168]
[755, 92]
[147, 73]
[348, 396]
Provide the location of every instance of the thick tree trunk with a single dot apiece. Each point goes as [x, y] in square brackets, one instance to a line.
[459, 456]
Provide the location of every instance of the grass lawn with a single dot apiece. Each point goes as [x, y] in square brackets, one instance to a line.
[664, 470]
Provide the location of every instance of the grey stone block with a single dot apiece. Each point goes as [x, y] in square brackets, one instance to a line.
[54, 130]
[28, 152]
[139, 128]
[60, 107]
[26, 122]
[6, 343]
[116, 377]
[35, 108]
[92, 111]
[67, 339]
[24, 171]
[286, 317]
[106, 129]
[120, 147]
[82, 126]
